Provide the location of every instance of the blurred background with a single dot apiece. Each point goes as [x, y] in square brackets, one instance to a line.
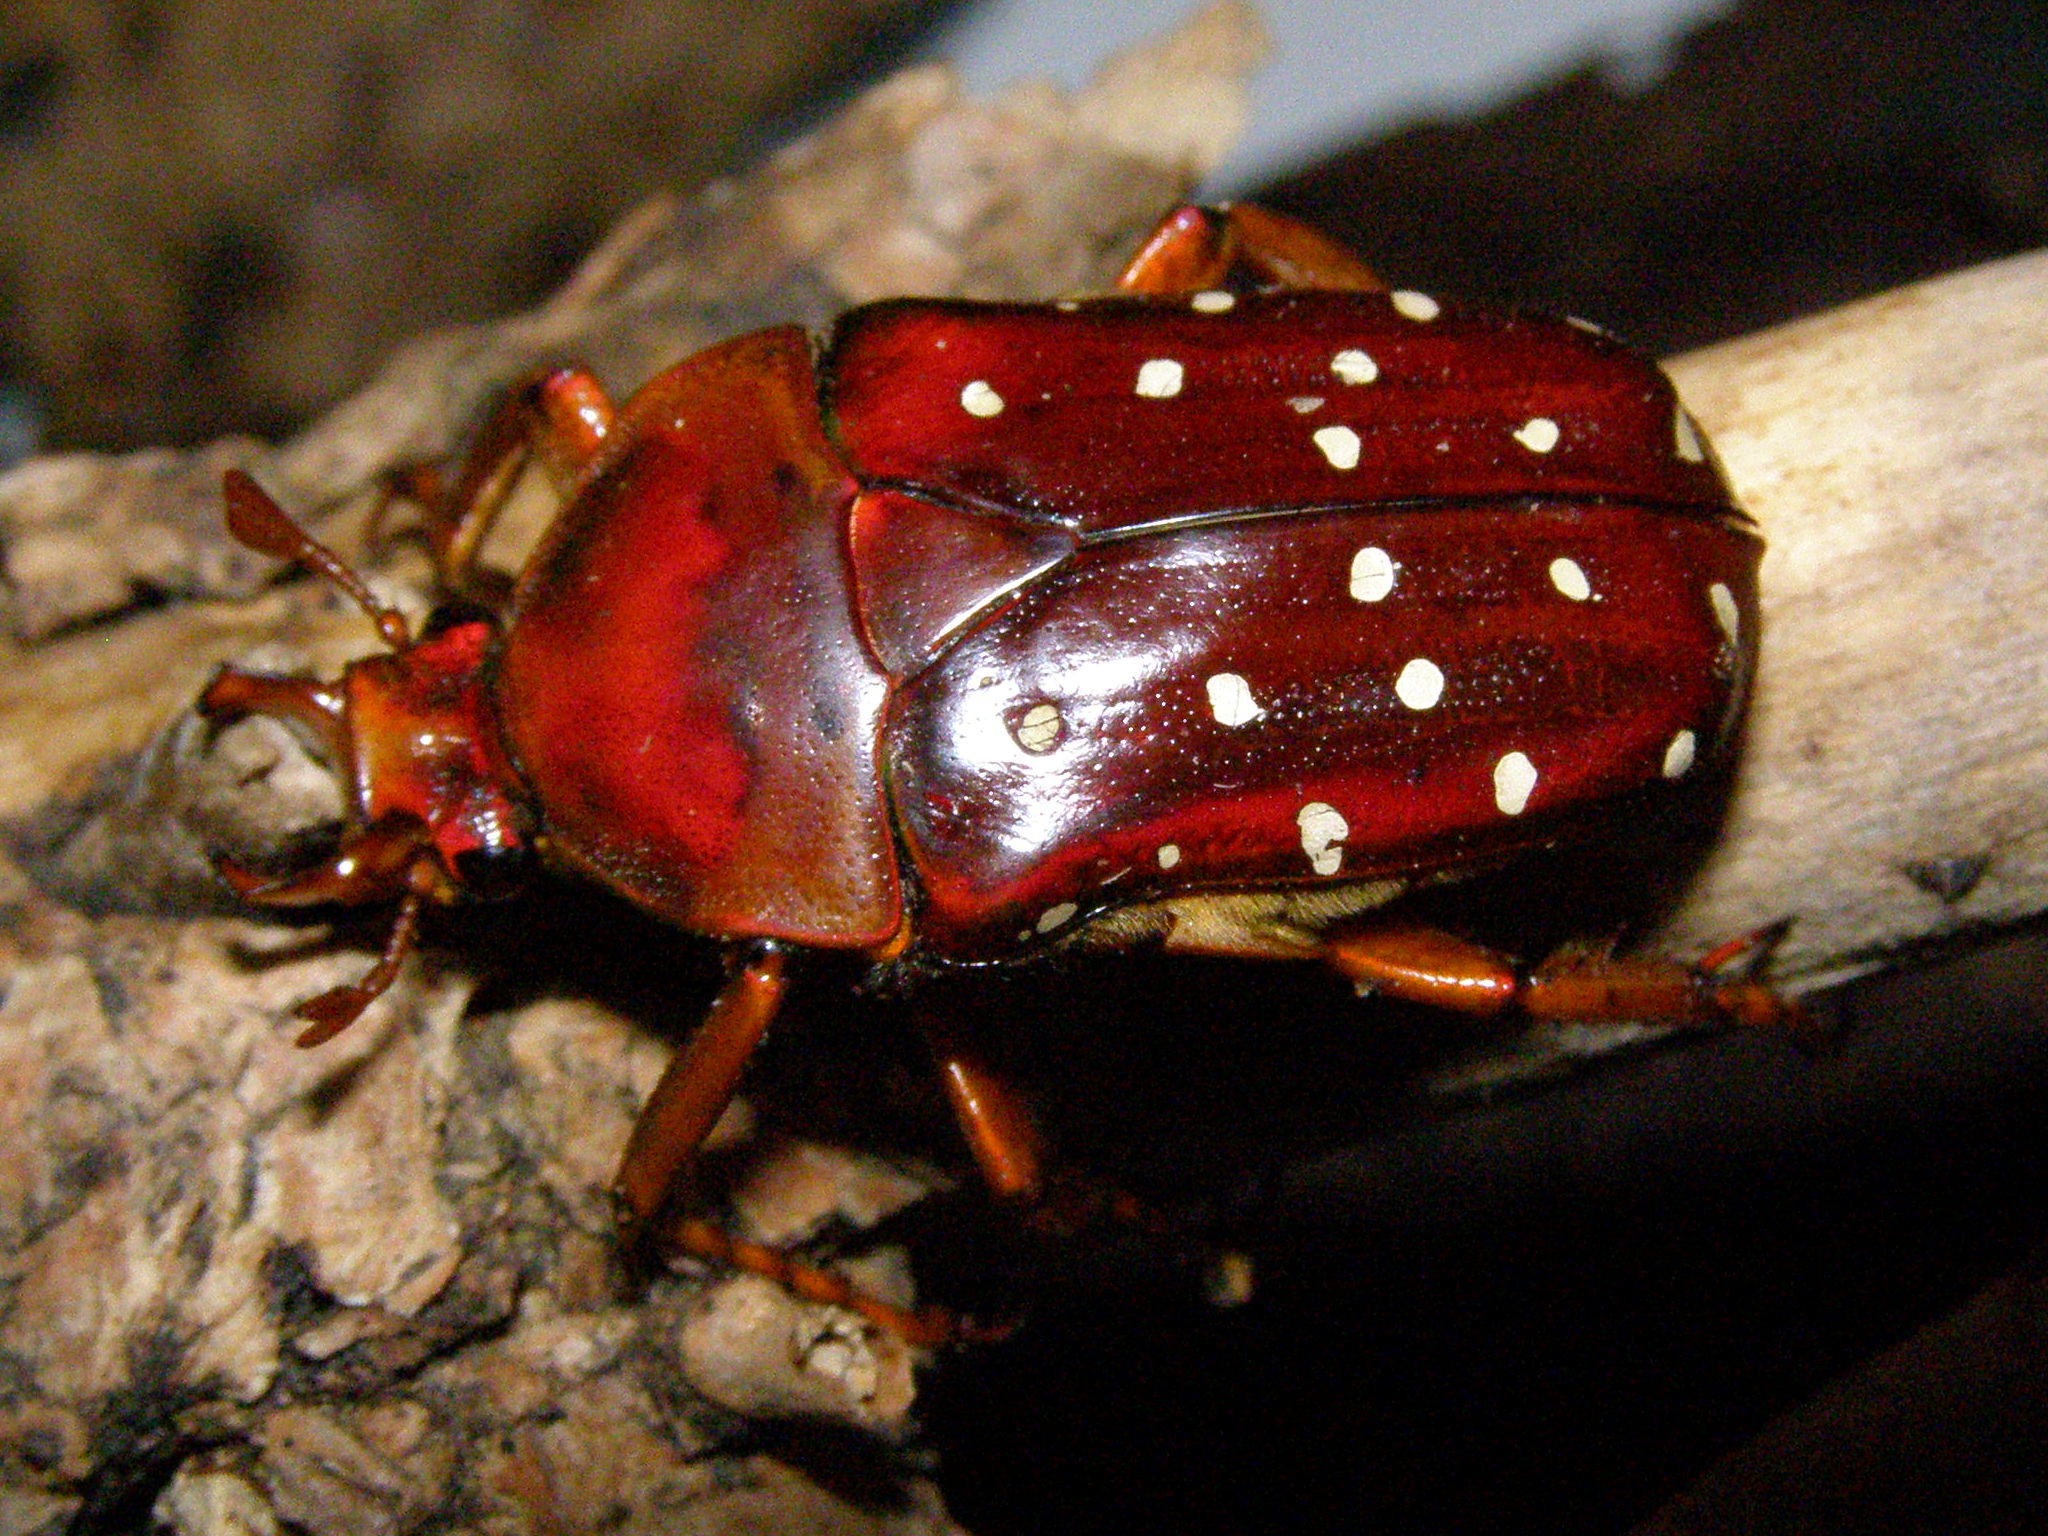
[1543, 1315]
[219, 216]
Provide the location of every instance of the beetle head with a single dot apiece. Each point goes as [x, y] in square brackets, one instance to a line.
[435, 809]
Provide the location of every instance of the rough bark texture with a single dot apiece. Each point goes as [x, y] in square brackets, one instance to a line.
[375, 1287]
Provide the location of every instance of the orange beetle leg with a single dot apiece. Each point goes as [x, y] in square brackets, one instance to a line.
[306, 701]
[1196, 248]
[652, 1187]
[996, 1123]
[560, 416]
[1424, 965]
[1002, 1134]
[695, 1090]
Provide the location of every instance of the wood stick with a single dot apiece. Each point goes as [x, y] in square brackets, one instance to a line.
[1894, 786]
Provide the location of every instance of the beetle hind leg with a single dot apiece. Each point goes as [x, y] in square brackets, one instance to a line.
[1425, 965]
[1195, 248]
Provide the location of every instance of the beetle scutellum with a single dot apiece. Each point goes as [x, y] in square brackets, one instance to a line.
[1214, 614]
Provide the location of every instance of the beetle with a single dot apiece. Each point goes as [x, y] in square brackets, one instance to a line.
[1214, 614]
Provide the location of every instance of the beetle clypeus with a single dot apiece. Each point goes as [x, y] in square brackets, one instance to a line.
[1214, 614]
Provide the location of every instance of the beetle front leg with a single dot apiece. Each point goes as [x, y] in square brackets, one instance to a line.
[1197, 248]
[560, 416]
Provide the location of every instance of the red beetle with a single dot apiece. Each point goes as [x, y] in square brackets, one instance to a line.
[1214, 615]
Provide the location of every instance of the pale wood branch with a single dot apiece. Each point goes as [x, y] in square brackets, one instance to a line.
[1896, 454]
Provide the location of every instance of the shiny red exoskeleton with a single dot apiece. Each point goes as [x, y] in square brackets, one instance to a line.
[1214, 614]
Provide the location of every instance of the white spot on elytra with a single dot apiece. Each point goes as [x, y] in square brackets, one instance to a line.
[1414, 306]
[1568, 578]
[1066, 306]
[1420, 684]
[1372, 574]
[1354, 366]
[979, 399]
[1213, 301]
[1726, 614]
[1514, 778]
[1691, 447]
[1159, 379]
[1231, 701]
[1169, 855]
[1054, 916]
[1303, 404]
[1339, 445]
[1538, 434]
[1580, 323]
[1323, 827]
[1041, 728]
[1679, 756]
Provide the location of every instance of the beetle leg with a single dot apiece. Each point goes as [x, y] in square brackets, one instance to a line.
[1196, 248]
[306, 701]
[694, 1091]
[560, 416]
[994, 1119]
[1425, 965]
[1000, 1130]
[1720, 988]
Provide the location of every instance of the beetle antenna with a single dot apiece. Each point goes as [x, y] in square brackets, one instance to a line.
[259, 522]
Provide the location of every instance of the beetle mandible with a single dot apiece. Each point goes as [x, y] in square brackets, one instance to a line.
[1214, 614]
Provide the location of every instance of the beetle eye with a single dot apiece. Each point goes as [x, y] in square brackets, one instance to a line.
[495, 872]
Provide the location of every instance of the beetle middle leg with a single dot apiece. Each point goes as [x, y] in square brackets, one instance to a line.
[1002, 1133]
[652, 1188]
[994, 1120]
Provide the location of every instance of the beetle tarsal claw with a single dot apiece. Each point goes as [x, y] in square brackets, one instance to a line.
[330, 1013]
[1744, 958]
